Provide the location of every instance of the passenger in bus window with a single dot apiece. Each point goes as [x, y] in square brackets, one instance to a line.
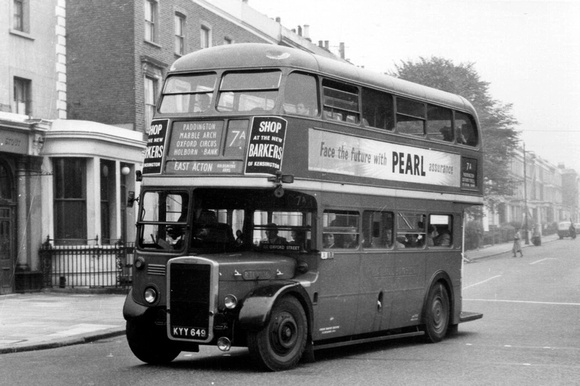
[239, 237]
[447, 133]
[298, 238]
[431, 235]
[272, 235]
[444, 239]
[388, 237]
[328, 241]
[413, 240]
[301, 109]
[203, 102]
[459, 135]
[350, 241]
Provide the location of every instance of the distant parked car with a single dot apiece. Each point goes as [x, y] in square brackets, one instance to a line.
[565, 231]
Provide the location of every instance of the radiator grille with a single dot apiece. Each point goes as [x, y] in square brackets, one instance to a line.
[190, 292]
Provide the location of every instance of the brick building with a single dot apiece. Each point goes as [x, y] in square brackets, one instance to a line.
[119, 50]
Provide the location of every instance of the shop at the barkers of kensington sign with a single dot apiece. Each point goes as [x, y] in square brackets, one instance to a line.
[266, 146]
[342, 154]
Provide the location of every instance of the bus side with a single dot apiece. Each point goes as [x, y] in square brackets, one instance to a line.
[371, 289]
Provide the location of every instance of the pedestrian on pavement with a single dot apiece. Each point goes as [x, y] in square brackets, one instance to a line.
[517, 244]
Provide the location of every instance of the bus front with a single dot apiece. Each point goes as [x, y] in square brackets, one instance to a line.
[221, 235]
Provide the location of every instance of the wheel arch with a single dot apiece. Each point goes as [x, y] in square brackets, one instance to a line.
[257, 306]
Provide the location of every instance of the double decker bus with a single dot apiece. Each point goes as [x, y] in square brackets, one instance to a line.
[292, 202]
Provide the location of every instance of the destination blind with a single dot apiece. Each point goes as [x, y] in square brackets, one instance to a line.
[198, 147]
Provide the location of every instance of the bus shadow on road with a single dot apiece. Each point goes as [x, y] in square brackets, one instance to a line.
[238, 360]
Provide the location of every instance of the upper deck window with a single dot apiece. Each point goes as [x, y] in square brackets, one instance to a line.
[410, 117]
[301, 95]
[377, 109]
[465, 129]
[188, 93]
[439, 123]
[249, 91]
[340, 101]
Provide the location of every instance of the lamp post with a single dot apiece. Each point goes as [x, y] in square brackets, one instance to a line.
[527, 237]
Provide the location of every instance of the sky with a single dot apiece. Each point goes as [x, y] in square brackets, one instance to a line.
[528, 51]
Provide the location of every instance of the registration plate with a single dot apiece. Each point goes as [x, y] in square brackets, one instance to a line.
[188, 332]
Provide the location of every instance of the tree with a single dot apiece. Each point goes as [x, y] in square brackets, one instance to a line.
[497, 122]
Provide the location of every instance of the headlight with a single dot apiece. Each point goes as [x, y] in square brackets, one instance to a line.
[150, 295]
[139, 263]
[230, 301]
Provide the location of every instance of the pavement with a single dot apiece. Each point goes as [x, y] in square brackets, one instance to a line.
[49, 319]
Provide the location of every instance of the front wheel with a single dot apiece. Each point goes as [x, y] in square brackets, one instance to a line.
[437, 314]
[149, 344]
[280, 343]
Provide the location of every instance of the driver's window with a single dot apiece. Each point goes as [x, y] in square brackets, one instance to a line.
[163, 220]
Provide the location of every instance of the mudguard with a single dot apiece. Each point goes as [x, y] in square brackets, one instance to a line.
[131, 309]
[257, 307]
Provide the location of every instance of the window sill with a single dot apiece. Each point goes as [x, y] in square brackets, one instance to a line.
[156, 45]
[22, 34]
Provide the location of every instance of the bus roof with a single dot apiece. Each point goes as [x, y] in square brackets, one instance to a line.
[259, 55]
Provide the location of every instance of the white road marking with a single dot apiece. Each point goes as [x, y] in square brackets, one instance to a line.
[524, 302]
[481, 282]
[539, 261]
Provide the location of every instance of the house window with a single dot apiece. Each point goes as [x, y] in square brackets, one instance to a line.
[151, 20]
[70, 206]
[5, 184]
[179, 34]
[107, 196]
[20, 15]
[150, 94]
[205, 37]
[21, 96]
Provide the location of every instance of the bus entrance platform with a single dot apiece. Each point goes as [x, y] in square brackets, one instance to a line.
[50, 319]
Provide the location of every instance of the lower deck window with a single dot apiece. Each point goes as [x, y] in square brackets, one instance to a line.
[340, 230]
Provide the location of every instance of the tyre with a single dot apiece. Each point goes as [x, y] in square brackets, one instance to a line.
[280, 343]
[436, 314]
[150, 344]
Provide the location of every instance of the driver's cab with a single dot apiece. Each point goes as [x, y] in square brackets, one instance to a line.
[211, 220]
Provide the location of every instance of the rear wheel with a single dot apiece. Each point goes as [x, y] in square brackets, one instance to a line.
[280, 343]
[150, 344]
[437, 314]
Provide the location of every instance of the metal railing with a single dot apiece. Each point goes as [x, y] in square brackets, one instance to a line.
[89, 266]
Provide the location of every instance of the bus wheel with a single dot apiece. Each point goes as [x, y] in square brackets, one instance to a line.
[149, 345]
[437, 314]
[279, 345]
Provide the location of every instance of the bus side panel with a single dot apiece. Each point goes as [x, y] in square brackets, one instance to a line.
[409, 288]
[338, 296]
[376, 291]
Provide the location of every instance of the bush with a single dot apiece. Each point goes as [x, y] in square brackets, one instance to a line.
[473, 230]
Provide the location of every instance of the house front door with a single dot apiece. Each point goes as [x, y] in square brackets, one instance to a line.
[6, 250]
